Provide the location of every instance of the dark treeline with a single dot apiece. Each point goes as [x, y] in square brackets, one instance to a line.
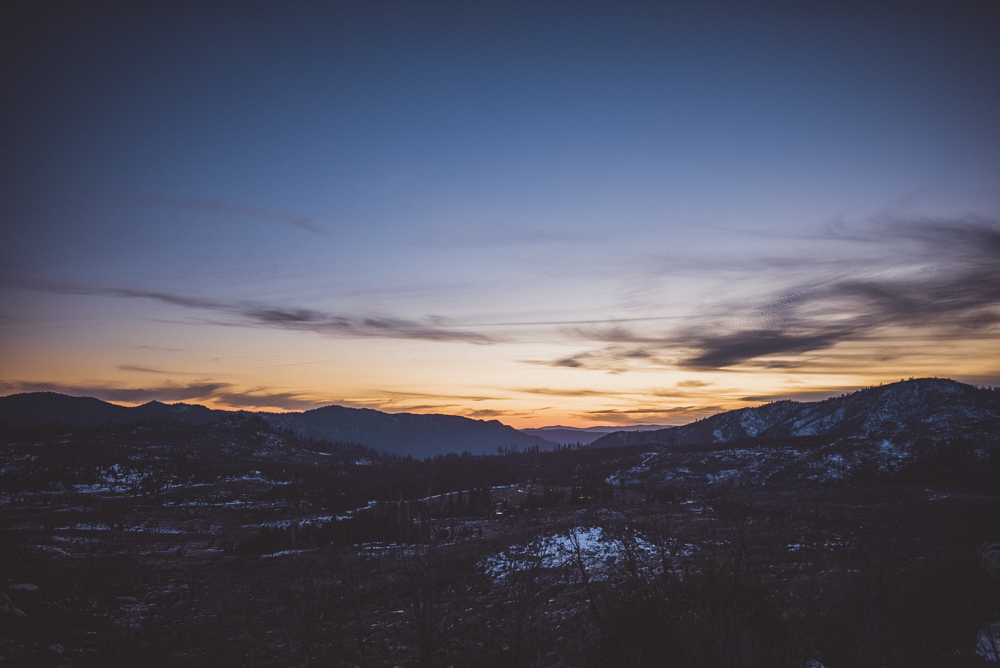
[964, 461]
[380, 527]
[397, 522]
[410, 521]
[148, 459]
[164, 461]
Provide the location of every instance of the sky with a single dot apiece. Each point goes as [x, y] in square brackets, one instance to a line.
[576, 213]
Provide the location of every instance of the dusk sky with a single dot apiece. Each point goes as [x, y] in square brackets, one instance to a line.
[546, 213]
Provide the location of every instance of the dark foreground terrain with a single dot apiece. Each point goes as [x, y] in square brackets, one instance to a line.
[235, 543]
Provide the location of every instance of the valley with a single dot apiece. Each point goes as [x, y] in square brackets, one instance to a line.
[237, 542]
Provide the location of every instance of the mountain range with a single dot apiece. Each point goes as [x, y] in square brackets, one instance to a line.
[583, 435]
[419, 435]
[925, 404]
[404, 433]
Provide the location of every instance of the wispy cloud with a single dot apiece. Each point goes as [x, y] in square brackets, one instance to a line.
[257, 213]
[351, 326]
[938, 277]
[688, 391]
[743, 345]
[401, 395]
[552, 392]
[145, 369]
[260, 397]
[503, 414]
[614, 358]
[955, 288]
[485, 414]
[253, 314]
[931, 279]
[647, 414]
[396, 406]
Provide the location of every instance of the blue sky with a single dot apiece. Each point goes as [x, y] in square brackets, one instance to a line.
[540, 212]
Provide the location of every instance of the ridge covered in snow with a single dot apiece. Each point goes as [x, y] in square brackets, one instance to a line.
[932, 404]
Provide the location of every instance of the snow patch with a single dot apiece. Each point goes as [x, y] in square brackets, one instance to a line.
[592, 547]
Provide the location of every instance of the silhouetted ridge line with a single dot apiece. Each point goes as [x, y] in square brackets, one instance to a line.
[402, 433]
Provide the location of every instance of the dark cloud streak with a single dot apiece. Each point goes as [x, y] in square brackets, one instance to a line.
[145, 369]
[738, 347]
[565, 393]
[960, 289]
[940, 275]
[255, 314]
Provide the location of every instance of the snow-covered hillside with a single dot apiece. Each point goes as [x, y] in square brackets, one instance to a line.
[926, 404]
